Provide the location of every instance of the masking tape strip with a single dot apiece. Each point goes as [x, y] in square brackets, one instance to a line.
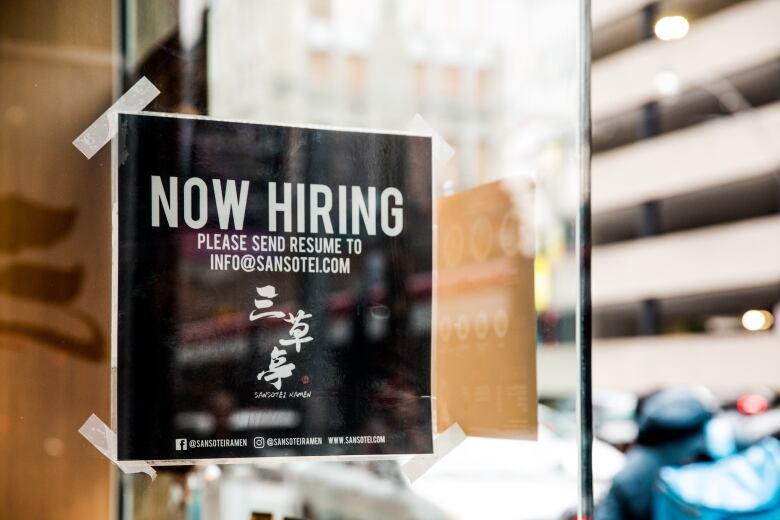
[442, 151]
[444, 443]
[104, 128]
[104, 439]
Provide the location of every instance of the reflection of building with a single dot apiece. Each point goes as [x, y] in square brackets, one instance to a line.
[495, 78]
[464, 66]
[685, 193]
[365, 64]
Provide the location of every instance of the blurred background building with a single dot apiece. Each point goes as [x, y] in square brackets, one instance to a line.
[686, 193]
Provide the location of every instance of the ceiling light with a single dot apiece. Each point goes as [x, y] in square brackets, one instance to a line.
[667, 83]
[754, 320]
[671, 28]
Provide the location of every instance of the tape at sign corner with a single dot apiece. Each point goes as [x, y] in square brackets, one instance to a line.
[104, 128]
[442, 151]
[443, 444]
[104, 439]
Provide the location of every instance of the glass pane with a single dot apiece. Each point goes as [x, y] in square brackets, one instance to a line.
[497, 87]
[498, 81]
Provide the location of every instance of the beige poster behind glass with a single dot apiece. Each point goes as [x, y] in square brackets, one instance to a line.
[485, 337]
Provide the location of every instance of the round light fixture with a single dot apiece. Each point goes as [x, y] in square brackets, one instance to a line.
[667, 83]
[671, 28]
[754, 320]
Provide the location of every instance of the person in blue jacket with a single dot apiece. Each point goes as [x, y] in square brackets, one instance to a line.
[671, 433]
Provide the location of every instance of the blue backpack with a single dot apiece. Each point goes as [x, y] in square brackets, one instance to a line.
[744, 486]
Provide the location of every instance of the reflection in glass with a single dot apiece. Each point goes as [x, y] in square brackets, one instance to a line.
[498, 81]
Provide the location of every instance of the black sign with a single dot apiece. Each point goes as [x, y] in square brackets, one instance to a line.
[273, 290]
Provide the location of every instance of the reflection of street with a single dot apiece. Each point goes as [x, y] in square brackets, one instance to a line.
[512, 479]
[481, 478]
[293, 491]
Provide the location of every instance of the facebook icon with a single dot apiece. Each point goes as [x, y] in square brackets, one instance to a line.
[181, 444]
